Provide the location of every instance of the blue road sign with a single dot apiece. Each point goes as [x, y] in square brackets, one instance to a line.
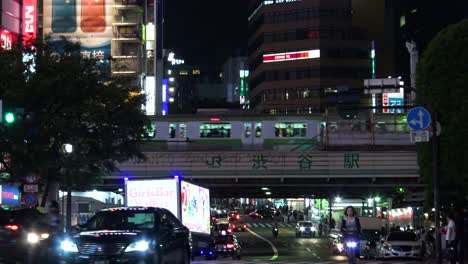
[30, 199]
[418, 118]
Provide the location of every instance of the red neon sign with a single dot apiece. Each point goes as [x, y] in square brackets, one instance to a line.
[29, 26]
[288, 56]
[215, 119]
[6, 39]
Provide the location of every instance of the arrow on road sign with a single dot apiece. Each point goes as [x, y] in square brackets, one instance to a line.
[420, 121]
[418, 118]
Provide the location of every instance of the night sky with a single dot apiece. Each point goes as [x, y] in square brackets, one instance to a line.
[205, 32]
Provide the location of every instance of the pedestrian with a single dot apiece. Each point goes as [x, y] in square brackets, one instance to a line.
[450, 239]
[332, 223]
[54, 217]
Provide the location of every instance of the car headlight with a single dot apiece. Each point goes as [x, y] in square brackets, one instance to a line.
[138, 246]
[313, 229]
[302, 228]
[45, 236]
[68, 246]
[32, 238]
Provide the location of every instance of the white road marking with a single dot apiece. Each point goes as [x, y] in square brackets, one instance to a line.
[308, 249]
[275, 250]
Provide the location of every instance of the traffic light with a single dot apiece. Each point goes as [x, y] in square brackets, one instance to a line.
[401, 190]
[9, 117]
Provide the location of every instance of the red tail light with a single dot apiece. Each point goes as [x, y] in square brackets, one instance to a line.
[229, 231]
[245, 226]
[238, 217]
[230, 245]
[12, 227]
[233, 227]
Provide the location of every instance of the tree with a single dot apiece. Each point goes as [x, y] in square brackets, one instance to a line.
[65, 100]
[441, 80]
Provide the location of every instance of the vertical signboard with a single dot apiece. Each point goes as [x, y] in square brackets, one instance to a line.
[393, 99]
[165, 108]
[150, 92]
[29, 25]
[88, 22]
[7, 39]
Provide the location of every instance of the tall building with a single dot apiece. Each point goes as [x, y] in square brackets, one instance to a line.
[303, 53]
[10, 23]
[235, 74]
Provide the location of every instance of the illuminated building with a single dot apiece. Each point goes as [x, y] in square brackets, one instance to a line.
[304, 56]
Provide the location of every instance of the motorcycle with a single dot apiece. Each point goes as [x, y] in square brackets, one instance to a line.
[275, 232]
[351, 243]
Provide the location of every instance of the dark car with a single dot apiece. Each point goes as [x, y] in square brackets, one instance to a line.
[305, 228]
[129, 235]
[262, 213]
[227, 246]
[238, 227]
[24, 233]
[234, 216]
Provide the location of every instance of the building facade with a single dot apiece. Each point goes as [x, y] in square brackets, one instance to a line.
[235, 74]
[10, 23]
[303, 53]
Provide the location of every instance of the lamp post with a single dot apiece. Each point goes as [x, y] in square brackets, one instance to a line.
[68, 149]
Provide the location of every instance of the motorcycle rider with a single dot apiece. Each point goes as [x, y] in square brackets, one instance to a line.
[351, 227]
[275, 230]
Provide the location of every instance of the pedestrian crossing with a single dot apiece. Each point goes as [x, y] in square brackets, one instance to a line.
[269, 225]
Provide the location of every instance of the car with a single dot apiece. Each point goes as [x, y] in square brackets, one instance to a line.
[227, 246]
[145, 235]
[239, 227]
[400, 244]
[24, 230]
[263, 213]
[305, 228]
[234, 216]
[222, 228]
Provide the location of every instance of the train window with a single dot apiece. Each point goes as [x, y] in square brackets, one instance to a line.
[290, 129]
[258, 129]
[182, 131]
[247, 130]
[172, 130]
[150, 131]
[215, 130]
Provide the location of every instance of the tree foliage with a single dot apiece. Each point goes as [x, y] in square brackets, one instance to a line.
[442, 79]
[64, 100]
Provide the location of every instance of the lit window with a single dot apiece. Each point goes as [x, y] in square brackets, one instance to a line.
[215, 130]
[182, 131]
[258, 129]
[402, 21]
[172, 130]
[247, 130]
[290, 129]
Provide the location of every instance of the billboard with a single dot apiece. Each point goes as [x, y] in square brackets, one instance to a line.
[289, 56]
[393, 99]
[195, 202]
[10, 195]
[153, 193]
[29, 25]
[88, 22]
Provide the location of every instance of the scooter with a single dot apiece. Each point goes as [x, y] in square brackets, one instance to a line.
[351, 243]
[275, 232]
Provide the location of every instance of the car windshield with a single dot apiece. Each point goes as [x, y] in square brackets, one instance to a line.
[402, 236]
[306, 224]
[223, 226]
[119, 220]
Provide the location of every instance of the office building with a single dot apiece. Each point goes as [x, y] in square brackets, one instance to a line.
[302, 54]
[235, 74]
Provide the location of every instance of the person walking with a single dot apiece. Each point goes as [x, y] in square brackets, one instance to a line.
[450, 239]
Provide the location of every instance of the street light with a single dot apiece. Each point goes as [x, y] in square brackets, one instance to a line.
[370, 201]
[377, 199]
[265, 189]
[268, 193]
[68, 148]
[338, 199]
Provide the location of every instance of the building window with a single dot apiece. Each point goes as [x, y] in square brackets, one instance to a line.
[247, 130]
[172, 130]
[290, 129]
[215, 130]
[182, 131]
[258, 130]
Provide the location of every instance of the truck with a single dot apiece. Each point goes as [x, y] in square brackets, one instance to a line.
[190, 203]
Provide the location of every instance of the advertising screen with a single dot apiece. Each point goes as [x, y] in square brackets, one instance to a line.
[195, 207]
[29, 27]
[88, 22]
[393, 99]
[10, 195]
[153, 193]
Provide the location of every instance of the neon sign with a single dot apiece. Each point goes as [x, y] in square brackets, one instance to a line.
[6, 39]
[289, 56]
[29, 21]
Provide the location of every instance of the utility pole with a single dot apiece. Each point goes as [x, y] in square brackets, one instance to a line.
[435, 184]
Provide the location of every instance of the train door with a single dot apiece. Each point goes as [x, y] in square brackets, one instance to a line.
[247, 133]
[257, 133]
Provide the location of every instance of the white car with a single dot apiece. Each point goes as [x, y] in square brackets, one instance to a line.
[400, 244]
